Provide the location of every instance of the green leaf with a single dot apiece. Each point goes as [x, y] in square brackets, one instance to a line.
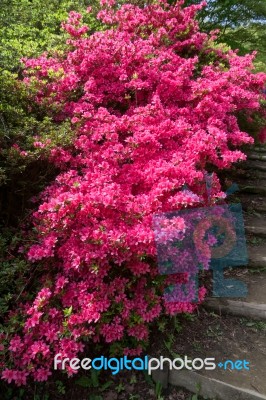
[94, 378]
[148, 378]
[68, 311]
[84, 381]
[106, 385]
[95, 397]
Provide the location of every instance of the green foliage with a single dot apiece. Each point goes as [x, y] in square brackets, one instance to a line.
[95, 397]
[13, 277]
[120, 387]
[60, 387]
[29, 27]
[230, 13]
[84, 381]
[254, 325]
[241, 24]
[91, 381]
[158, 390]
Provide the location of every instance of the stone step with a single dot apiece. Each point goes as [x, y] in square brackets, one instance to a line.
[245, 174]
[257, 156]
[235, 307]
[252, 306]
[252, 204]
[211, 388]
[259, 149]
[255, 225]
[253, 189]
[254, 165]
[248, 178]
[232, 342]
[257, 256]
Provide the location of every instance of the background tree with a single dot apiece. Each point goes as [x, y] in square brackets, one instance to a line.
[242, 24]
[27, 29]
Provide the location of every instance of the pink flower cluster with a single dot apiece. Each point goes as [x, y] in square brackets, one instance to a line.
[151, 102]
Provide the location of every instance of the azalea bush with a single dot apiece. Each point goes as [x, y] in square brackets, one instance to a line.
[152, 104]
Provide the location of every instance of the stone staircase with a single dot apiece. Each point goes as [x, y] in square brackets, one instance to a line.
[232, 384]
